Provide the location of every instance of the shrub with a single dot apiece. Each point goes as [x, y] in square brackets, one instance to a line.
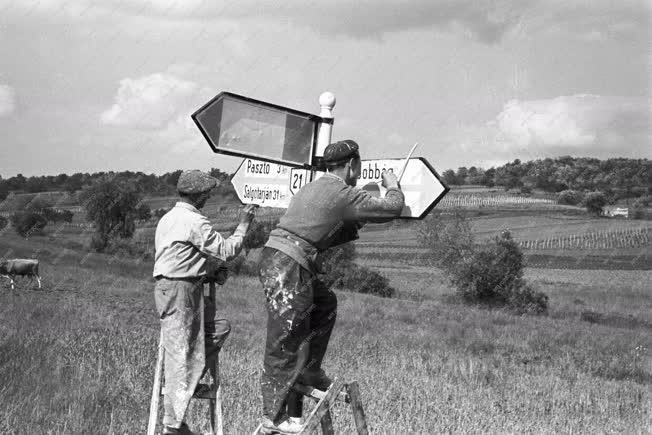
[27, 223]
[570, 197]
[594, 202]
[3, 222]
[364, 280]
[334, 262]
[525, 300]
[489, 274]
[339, 270]
[493, 274]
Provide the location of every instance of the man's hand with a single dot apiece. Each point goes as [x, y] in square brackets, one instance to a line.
[247, 213]
[389, 180]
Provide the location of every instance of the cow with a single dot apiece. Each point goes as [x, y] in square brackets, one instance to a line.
[19, 267]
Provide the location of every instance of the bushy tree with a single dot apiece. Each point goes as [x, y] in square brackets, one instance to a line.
[143, 212]
[491, 273]
[27, 223]
[570, 197]
[449, 177]
[594, 202]
[4, 190]
[112, 207]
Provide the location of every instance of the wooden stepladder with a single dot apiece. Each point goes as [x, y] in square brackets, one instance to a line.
[320, 416]
[203, 391]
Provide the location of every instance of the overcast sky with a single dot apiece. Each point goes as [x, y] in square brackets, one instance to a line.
[87, 88]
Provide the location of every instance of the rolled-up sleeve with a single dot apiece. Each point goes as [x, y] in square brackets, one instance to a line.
[211, 242]
[363, 206]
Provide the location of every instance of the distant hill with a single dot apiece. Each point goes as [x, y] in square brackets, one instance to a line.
[617, 177]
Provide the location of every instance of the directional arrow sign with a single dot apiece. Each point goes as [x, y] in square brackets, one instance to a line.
[266, 184]
[273, 185]
[421, 185]
[241, 126]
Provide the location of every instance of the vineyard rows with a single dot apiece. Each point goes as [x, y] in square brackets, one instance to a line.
[477, 200]
[625, 238]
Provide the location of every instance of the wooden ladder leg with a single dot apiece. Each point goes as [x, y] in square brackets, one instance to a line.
[323, 407]
[359, 418]
[327, 424]
[156, 391]
[215, 405]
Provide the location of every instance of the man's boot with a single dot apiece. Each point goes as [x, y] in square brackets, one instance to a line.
[316, 379]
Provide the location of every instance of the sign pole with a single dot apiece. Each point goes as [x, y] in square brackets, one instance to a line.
[326, 102]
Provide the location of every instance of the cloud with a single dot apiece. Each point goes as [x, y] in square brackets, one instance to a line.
[577, 124]
[153, 101]
[487, 21]
[7, 100]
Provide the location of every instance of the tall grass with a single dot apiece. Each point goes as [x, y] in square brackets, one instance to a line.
[78, 357]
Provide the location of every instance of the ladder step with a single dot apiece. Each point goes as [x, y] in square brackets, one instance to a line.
[205, 391]
[323, 407]
[318, 394]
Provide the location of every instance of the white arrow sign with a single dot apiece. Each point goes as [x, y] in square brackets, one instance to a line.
[273, 185]
[263, 183]
[421, 185]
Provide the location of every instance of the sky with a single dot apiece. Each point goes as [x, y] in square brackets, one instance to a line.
[89, 86]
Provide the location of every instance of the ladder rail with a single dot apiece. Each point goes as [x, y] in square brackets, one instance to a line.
[321, 414]
[156, 392]
[322, 407]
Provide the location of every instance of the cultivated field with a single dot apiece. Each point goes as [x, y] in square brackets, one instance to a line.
[78, 356]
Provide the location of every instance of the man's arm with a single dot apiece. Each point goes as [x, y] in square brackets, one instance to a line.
[362, 206]
[211, 242]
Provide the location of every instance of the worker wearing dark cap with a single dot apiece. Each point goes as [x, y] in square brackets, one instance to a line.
[190, 253]
[301, 308]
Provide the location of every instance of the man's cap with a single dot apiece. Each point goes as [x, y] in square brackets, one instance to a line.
[195, 181]
[341, 152]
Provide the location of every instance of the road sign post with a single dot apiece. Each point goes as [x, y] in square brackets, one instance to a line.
[283, 150]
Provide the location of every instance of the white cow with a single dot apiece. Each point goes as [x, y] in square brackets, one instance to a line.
[20, 267]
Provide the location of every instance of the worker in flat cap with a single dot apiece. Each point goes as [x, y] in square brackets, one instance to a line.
[189, 254]
[302, 308]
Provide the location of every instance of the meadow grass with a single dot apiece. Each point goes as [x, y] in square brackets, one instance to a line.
[78, 357]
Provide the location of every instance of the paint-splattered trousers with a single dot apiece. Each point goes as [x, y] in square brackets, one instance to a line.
[192, 334]
[301, 313]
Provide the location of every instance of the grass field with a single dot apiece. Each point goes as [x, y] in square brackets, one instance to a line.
[78, 356]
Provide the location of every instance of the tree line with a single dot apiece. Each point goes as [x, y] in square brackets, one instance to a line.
[616, 178]
[144, 184]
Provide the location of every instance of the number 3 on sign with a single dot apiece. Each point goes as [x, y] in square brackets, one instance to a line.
[298, 179]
